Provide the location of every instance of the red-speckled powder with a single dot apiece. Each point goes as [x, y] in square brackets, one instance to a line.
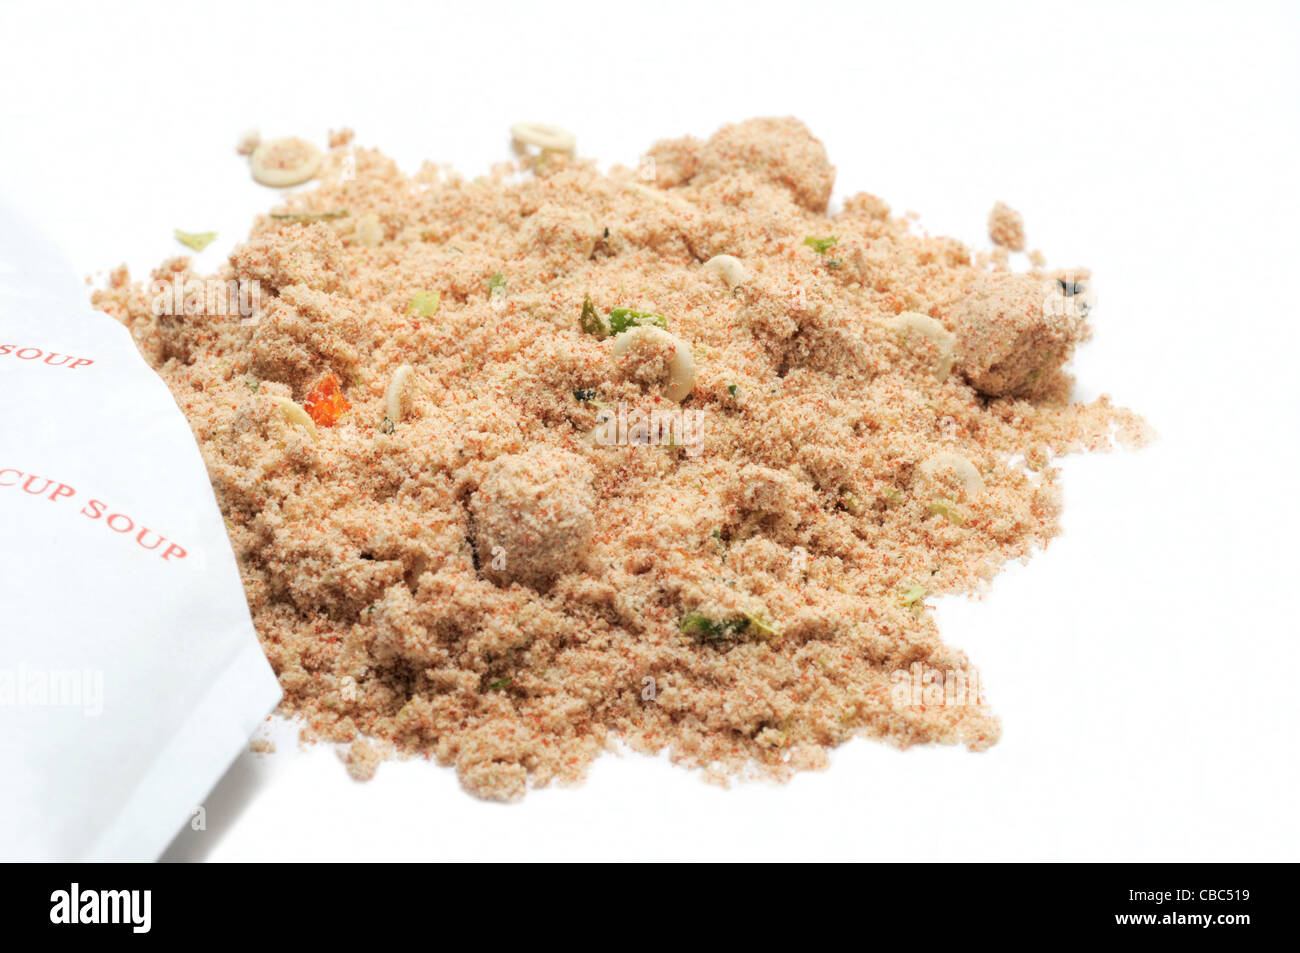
[464, 572]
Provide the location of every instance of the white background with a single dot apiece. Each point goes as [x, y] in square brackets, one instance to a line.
[1145, 665]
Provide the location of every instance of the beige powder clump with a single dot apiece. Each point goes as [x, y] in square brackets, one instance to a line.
[1015, 332]
[483, 583]
[362, 759]
[780, 151]
[534, 515]
[1007, 227]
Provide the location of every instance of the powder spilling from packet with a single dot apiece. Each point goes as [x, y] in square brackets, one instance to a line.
[666, 456]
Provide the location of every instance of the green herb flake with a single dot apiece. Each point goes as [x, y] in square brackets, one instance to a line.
[621, 319]
[701, 626]
[425, 303]
[711, 630]
[912, 595]
[497, 284]
[196, 240]
[590, 320]
[950, 513]
[821, 245]
[499, 684]
[759, 627]
[733, 390]
[585, 395]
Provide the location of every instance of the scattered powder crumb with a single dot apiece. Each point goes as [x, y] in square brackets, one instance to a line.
[262, 746]
[341, 137]
[809, 758]
[1007, 228]
[362, 759]
[455, 568]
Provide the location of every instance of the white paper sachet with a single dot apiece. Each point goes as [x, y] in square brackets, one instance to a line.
[130, 674]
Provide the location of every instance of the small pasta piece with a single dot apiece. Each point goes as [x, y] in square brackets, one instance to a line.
[728, 268]
[369, 230]
[681, 365]
[293, 413]
[393, 396]
[944, 341]
[281, 163]
[946, 461]
[544, 136]
[249, 141]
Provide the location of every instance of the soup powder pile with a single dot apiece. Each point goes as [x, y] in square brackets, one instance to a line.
[472, 524]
